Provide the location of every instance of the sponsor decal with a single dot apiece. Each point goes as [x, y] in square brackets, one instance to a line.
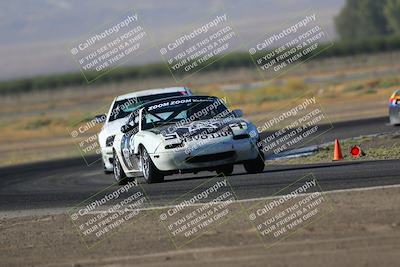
[178, 102]
[203, 136]
[194, 127]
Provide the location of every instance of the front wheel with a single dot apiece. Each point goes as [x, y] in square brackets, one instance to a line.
[256, 165]
[150, 172]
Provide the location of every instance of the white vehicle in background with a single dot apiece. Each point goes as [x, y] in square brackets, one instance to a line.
[121, 107]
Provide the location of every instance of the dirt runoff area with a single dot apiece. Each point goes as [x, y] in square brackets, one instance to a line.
[362, 229]
[373, 147]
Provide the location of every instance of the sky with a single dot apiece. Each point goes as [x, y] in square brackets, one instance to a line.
[37, 35]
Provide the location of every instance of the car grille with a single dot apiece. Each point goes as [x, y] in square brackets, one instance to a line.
[210, 157]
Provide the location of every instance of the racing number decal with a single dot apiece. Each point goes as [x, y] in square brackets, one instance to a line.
[127, 149]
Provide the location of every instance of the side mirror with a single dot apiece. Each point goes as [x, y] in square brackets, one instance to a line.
[126, 128]
[237, 113]
[101, 118]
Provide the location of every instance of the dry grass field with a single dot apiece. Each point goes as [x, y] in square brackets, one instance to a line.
[35, 126]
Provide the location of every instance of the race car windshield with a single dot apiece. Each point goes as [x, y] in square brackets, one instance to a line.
[123, 108]
[183, 111]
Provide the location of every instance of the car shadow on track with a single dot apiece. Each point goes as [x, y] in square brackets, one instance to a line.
[278, 168]
[310, 166]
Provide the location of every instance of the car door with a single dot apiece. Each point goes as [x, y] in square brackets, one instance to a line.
[127, 143]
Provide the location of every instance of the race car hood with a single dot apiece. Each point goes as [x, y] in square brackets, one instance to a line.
[213, 127]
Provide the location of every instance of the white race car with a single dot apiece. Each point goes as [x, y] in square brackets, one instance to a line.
[185, 134]
[120, 109]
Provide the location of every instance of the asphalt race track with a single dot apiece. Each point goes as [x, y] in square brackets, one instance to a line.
[65, 183]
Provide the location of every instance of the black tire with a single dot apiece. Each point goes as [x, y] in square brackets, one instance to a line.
[226, 170]
[150, 172]
[119, 173]
[256, 165]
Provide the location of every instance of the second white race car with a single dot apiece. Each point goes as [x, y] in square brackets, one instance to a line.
[117, 115]
[185, 134]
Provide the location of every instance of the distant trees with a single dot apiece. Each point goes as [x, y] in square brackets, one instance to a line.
[392, 13]
[361, 19]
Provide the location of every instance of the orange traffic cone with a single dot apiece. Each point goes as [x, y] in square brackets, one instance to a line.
[337, 154]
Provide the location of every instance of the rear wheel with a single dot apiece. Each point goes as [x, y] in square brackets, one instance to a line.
[226, 170]
[256, 165]
[119, 173]
[150, 172]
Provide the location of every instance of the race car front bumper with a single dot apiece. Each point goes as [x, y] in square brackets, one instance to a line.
[394, 114]
[108, 158]
[206, 157]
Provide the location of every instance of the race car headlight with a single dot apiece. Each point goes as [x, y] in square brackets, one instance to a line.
[110, 140]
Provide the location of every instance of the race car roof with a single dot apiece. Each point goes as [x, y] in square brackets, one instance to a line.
[152, 92]
[164, 100]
